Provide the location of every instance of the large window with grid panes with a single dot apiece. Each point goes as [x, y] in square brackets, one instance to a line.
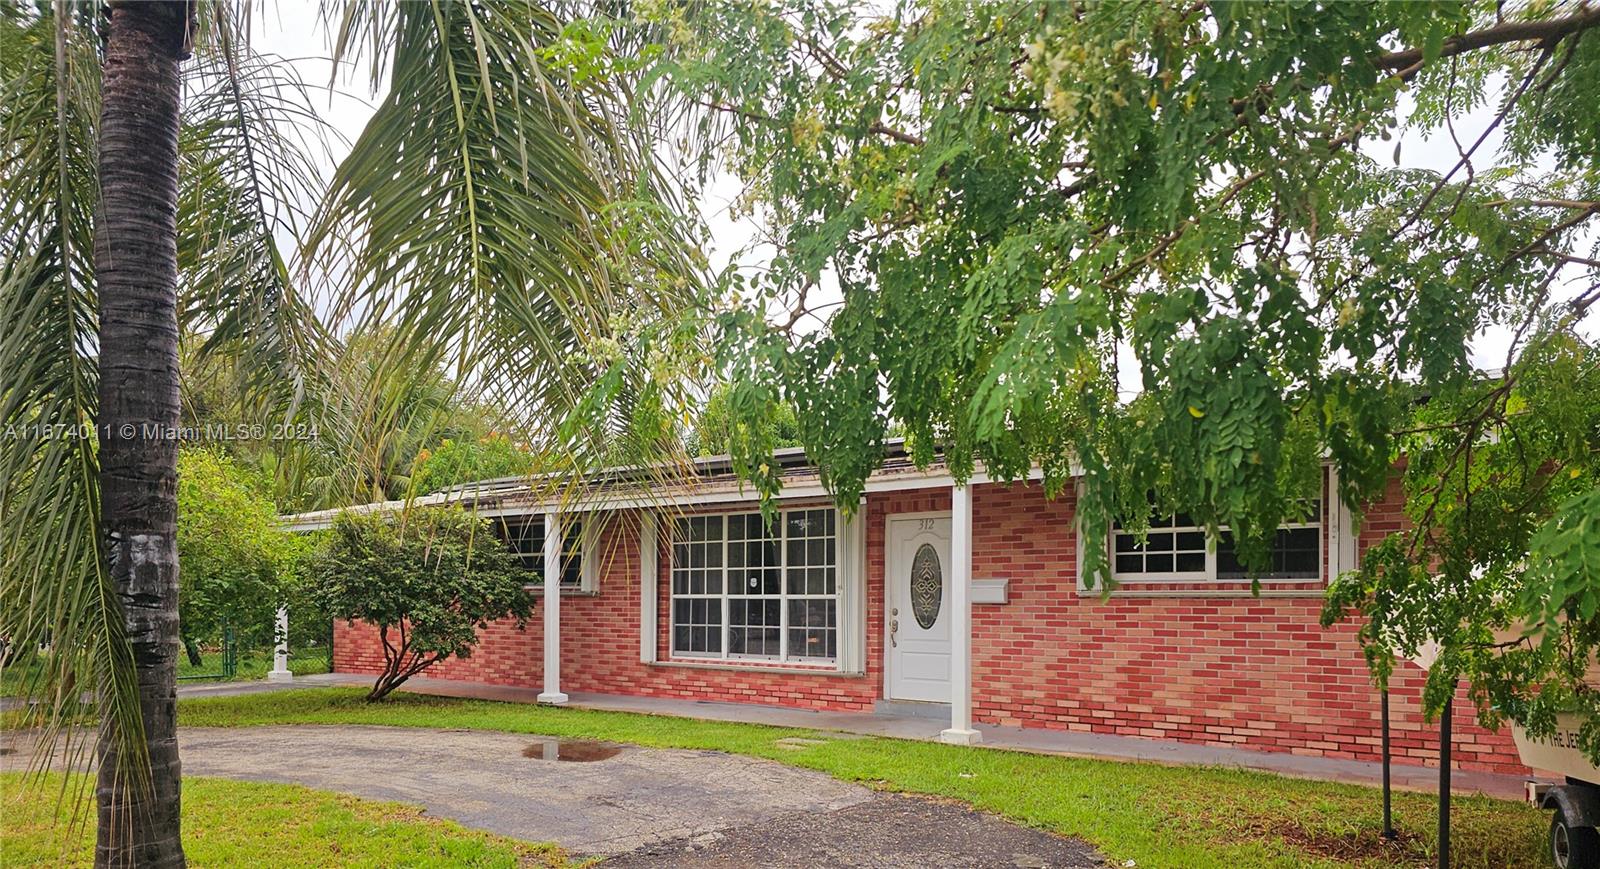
[1175, 550]
[744, 589]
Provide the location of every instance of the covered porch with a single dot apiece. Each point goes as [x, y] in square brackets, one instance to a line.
[922, 661]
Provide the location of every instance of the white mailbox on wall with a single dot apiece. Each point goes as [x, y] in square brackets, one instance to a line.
[990, 590]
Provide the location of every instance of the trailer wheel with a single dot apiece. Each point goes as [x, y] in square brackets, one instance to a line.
[1573, 847]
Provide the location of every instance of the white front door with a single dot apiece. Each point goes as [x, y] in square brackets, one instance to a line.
[917, 644]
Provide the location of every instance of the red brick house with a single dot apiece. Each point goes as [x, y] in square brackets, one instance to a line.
[942, 594]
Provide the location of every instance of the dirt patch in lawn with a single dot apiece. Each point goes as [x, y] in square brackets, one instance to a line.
[1353, 847]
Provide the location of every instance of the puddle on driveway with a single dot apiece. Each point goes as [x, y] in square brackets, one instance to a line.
[571, 750]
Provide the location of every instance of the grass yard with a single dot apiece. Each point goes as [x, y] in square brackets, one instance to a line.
[1154, 815]
[252, 665]
[230, 823]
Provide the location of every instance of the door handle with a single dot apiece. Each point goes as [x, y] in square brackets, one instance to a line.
[894, 626]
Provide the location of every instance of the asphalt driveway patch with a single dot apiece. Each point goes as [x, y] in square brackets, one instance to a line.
[637, 806]
[890, 831]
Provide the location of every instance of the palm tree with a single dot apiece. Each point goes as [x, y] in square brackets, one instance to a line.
[499, 218]
[136, 269]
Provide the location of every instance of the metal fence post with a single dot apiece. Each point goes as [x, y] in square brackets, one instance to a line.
[1388, 818]
[230, 653]
[1444, 784]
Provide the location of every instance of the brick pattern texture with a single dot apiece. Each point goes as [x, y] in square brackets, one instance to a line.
[1168, 662]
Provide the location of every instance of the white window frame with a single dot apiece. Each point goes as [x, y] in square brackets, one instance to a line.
[783, 597]
[588, 571]
[1209, 575]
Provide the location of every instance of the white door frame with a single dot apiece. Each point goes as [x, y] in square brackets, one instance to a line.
[888, 586]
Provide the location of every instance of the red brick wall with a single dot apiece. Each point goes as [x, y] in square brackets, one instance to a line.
[600, 648]
[1256, 672]
[1237, 670]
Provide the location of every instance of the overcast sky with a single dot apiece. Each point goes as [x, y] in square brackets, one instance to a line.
[291, 29]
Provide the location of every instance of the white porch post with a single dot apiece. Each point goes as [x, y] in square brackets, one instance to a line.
[961, 732]
[552, 610]
[649, 547]
[853, 591]
[280, 648]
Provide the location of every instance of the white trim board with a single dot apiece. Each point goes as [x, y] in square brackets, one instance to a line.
[733, 492]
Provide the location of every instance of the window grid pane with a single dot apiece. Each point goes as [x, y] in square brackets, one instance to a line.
[755, 618]
[1168, 549]
[524, 536]
[811, 580]
[813, 628]
[754, 557]
[571, 554]
[697, 549]
[1175, 548]
[1296, 554]
[753, 625]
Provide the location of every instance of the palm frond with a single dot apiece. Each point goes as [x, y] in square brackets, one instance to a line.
[508, 223]
[248, 175]
[249, 152]
[58, 614]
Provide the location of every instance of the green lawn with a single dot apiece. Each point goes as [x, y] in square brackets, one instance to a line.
[251, 665]
[1154, 815]
[230, 823]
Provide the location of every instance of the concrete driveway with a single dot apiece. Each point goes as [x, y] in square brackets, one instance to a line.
[645, 807]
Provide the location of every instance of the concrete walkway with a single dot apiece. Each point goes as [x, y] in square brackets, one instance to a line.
[902, 726]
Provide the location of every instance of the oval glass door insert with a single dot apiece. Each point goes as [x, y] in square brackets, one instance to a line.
[927, 586]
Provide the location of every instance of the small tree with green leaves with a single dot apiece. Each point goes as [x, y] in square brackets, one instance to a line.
[236, 554]
[720, 426]
[427, 579]
[460, 460]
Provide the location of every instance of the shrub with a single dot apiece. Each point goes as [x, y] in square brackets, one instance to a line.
[235, 556]
[466, 460]
[428, 579]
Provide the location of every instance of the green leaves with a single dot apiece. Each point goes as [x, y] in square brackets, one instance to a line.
[237, 559]
[54, 587]
[248, 153]
[464, 460]
[1563, 577]
[427, 579]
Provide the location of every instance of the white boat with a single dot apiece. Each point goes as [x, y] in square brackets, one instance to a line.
[1574, 840]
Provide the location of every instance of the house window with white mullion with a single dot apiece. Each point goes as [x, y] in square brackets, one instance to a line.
[744, 589]
[524, 536]
[1174, 547]
[755, 588]
[1175, 550]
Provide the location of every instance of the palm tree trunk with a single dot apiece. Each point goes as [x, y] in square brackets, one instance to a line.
[137, 267]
